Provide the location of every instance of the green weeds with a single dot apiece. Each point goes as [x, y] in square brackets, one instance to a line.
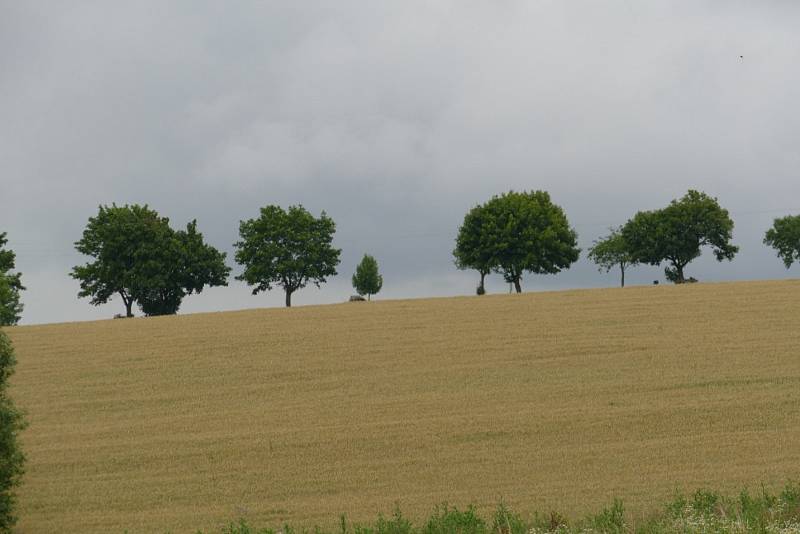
[704, 512]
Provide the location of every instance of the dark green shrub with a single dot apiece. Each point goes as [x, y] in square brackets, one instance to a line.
[11, 423]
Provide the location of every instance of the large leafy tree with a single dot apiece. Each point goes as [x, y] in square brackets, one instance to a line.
[139, 257]
[288, 248]
[526, 232]
[184, 266]
[612, 251]
[784, 237]
[675, 234]
[10, 286]
[11, 423]
[473, 251]
[367, 280]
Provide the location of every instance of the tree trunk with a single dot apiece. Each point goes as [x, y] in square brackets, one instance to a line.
[622, 268]
[483, 288]
[128, 301]
[517, 285]
[369, 297]
[679, 271]
[288, 299]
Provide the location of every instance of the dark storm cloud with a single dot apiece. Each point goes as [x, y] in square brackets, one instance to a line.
[395, 118]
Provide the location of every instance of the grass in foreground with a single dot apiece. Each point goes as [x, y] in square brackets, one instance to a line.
[543, 400]
[702, 512]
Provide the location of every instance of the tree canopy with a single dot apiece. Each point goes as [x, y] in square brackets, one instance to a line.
[140, 258]
[11, 458]
[612, 251]
[367, 280]
[784, 237]
[519, 232]
[10, 286]
[675, 234]
[286, 248]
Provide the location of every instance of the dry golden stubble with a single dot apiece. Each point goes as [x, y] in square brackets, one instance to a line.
[558, 400]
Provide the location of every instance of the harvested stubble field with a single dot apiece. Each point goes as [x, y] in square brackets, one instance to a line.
[545, 400]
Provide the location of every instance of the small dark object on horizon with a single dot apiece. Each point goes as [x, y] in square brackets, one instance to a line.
[655, 282]
[357, 298]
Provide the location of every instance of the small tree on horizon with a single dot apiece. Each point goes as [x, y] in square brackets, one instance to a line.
[288, 248]
[367, 280]
[611, 251]
[784, 237]
[11, 423]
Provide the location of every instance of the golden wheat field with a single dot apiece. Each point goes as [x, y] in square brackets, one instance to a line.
[558, 400]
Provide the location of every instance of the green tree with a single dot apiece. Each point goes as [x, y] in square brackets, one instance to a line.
[612, 251]
[286, 248]
[526, 232]
[676, 233]
[10, 286]
[366, 280]
[11, 423]
[184, 266]
[784, 237]
[140, 258]
[473, 251]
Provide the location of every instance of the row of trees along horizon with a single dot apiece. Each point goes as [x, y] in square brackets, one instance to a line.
[140, 258]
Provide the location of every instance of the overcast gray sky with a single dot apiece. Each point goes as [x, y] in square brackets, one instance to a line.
[394, 117]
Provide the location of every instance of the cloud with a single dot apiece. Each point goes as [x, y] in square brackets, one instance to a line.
[395, 118]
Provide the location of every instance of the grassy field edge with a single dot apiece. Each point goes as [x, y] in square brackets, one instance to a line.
[704, 511]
